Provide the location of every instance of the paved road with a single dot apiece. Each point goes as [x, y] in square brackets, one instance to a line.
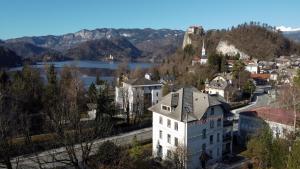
[260, 98]
[26, 162]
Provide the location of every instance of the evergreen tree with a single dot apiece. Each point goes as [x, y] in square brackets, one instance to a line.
[294, 157]
[297, 79]
[189, 50]
[223, 66]
[92, 93]
[238, 66]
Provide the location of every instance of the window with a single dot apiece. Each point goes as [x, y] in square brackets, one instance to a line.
[169, 123]
[169, 154]
[204, 133]
[169, 138]
[156, 101]
[160, 120]
[211, 139]
[203, 147]
[210, 153]
[164, 108]
[176, 141]
[212, 124]
[212, 111]
[218, 137]
[218, 152]
[159, 151]
[219, 123]
[176, 126]
[160, 134]
[157, 94]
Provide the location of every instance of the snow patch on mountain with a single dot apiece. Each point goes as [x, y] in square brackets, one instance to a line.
[228, 49]
[126, 35]
[287, 29]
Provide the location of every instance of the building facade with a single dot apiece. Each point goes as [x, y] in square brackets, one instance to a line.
[218, 85]
[193, 123]
[138, 94]
[280, 121]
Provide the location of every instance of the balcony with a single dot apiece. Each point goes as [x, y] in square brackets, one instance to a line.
[227, 138]
[227, 123]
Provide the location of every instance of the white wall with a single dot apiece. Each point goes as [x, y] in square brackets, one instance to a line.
[279, 129]
[252, 68]
[165, 131]
[194, 137]
[253, 124]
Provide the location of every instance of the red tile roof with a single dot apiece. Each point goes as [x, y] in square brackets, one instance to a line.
[278, 115]
[260, 76]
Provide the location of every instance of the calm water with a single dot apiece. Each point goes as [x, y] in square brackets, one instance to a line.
[90, 64]
[86, 77]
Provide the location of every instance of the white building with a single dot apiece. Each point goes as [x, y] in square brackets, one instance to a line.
[218, 85]
[279, 120]
[138, 93]
[192, 121]
[252, 67]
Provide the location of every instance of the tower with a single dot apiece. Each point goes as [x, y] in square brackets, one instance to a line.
[203, 50]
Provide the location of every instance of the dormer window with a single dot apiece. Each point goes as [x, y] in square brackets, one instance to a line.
[167, 108]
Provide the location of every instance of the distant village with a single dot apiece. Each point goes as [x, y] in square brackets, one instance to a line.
[207, 124]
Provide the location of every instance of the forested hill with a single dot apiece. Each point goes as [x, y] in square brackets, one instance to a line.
[258, 41]
[9, 58]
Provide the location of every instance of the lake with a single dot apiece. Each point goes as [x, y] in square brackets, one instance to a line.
[89, 69]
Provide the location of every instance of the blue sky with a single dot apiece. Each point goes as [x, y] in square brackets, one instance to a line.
[42, 17]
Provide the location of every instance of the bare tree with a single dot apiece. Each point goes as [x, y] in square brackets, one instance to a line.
[76, 136]
[138, 106]
[125, 103]
[289, 99]
[180, 155]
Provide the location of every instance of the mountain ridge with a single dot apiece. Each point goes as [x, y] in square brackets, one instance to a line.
[147, 40]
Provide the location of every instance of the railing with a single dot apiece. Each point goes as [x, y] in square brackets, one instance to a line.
[227, 138]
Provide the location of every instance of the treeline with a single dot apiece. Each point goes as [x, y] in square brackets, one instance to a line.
[258, 40]
[267, 152]
[28, 106]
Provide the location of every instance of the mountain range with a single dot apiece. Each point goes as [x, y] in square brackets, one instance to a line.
[99, 43]
[293, 35]
[146, 44]
[8, 58]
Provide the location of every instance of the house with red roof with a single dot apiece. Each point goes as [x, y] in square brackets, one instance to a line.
[280, 121]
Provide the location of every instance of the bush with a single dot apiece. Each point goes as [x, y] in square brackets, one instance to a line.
[108, 153]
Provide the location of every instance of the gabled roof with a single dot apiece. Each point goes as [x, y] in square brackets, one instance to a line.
[141, 82]
[273, 114]
[186, 102]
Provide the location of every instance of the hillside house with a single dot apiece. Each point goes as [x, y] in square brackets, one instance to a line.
[219, 85]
